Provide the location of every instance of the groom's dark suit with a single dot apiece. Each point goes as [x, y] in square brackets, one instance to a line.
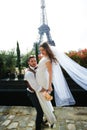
[30, 77]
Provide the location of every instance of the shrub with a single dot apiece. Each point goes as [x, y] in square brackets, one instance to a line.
[79, 56]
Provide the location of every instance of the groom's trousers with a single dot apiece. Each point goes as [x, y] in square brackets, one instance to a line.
[35, 102]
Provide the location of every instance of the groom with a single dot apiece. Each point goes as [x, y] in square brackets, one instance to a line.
[32, 87]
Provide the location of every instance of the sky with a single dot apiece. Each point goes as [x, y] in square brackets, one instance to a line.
[20, 19]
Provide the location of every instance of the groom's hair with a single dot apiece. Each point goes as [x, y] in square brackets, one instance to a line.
[31, 56]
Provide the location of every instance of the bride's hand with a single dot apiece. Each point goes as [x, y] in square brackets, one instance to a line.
[50, 89]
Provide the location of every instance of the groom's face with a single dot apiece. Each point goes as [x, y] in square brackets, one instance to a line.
[32, 62]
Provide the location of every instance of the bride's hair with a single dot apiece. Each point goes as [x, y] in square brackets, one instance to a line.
[46, 46]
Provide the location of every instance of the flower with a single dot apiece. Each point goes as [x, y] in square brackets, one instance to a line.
[47, 96]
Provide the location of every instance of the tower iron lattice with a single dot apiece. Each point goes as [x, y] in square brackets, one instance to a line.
[44, 28]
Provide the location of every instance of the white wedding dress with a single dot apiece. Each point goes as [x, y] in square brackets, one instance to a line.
[42, 78]
[63, 96]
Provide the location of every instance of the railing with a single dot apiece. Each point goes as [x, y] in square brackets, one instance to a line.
[14, 92]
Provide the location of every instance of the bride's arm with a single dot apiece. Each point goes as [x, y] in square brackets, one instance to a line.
[49, 68]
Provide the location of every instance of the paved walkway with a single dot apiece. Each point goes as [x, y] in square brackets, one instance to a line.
[23, 118]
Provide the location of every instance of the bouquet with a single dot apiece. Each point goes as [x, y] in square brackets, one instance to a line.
[47, 96]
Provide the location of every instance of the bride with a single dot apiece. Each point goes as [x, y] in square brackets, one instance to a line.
[44, 79]
[49, 71]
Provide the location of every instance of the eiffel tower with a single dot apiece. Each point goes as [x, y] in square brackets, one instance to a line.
[44, 28]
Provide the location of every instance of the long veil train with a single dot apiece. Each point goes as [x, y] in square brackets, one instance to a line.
[78, 73]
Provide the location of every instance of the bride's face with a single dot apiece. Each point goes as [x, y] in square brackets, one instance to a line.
[43, 51]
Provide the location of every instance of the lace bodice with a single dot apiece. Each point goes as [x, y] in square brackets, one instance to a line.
[42, 74]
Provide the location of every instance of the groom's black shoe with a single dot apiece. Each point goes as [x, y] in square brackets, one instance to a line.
[52, 126]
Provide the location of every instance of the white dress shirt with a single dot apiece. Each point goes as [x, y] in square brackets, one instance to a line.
[30, 77]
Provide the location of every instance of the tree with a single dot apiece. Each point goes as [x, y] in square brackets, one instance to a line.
[36, 52]
[7, 63]
[18, 58]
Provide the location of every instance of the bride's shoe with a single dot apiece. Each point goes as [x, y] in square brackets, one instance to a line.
[53, 125]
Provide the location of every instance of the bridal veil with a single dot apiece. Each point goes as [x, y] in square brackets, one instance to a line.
[63, 96]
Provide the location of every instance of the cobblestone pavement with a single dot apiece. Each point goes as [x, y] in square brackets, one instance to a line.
[23, 118]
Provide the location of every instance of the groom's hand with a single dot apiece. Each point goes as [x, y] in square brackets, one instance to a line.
[42, 90]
